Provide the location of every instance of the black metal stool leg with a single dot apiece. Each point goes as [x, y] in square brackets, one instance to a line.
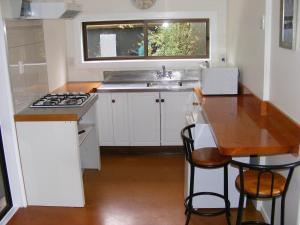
[188, 217]
[282, 209]
[240, 210]
[188, 210]
[227, 203]
[273, 210]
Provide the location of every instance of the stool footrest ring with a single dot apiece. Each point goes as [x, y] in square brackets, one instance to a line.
[193, 210]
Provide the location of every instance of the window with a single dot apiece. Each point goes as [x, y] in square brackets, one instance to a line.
[151, 39]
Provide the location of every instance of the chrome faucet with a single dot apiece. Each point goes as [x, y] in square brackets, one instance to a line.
[164, 70]
[164, 73]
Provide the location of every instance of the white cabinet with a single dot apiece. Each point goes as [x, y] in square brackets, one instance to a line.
[174, 108]
[144, 118]
[113, 119]
[120, 119]
[89, 147]
[53, 154]
[105, 120]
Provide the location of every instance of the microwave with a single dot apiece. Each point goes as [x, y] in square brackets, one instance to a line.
[220, 80]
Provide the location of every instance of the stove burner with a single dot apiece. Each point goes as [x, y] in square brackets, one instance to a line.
[71, 102]
[74, 99]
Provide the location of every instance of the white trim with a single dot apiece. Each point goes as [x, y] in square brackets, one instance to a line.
[268, 47]
[28, 64]
[10, 142]
[8, 216]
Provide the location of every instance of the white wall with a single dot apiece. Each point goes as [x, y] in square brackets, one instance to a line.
[8, 126]
[285, 79]
[216, 10]
[272, 73]
[285, 94]
[55, 45]
[246, 42]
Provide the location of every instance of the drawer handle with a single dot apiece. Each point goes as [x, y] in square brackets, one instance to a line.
[157, 100]
[195, 103]
[162, 100]
[113, 101]
[81, 131]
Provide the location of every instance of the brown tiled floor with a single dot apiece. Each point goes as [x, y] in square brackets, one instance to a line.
[129, 190]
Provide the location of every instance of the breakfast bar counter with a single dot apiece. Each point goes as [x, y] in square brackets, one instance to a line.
[243, 125]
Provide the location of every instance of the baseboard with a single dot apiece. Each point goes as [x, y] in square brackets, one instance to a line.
[264, 214]
[142, 150]
[8, 216]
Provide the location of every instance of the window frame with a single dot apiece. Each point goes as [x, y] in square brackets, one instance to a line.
[145, 28]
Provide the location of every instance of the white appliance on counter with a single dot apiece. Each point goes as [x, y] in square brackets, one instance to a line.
[220, 80]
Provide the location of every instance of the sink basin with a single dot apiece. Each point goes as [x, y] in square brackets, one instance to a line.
[165, 83]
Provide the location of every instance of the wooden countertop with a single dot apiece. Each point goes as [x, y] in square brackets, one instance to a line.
[85, 87]
[61, 114]
[243, 125]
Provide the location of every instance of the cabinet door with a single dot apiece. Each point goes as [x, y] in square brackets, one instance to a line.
[144, 118]
[174, 107]
[105, 120]
[120, 119]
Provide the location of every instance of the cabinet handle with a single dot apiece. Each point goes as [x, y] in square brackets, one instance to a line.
[162, 100]
[157, 100]
[113, 101]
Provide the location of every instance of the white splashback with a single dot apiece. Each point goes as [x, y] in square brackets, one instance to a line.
[27, 61]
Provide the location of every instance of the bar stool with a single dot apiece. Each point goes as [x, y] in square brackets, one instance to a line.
[263, 182]
[205, 158]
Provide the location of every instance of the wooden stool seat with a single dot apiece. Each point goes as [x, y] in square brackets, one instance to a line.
[209, 157]
[251, 184]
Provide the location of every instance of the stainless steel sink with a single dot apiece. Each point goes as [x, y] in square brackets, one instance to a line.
[148, 86]
[133, 81]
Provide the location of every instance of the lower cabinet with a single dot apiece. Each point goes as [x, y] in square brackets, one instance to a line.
[113, 119]
[143, 118]
[105, 119]
[174, 108]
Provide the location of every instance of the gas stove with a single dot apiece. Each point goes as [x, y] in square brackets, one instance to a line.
[61, 100]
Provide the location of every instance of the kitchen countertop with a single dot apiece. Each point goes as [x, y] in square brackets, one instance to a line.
[61, 114]
[85, 87]
[243, 125]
